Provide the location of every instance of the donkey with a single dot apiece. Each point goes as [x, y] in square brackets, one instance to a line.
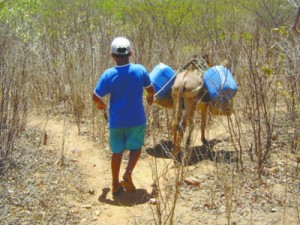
[187, 92]
[188, 95]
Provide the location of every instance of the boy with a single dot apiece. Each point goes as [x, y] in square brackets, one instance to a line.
[127, 120]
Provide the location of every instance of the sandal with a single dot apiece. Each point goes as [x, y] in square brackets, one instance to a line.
[119, 191]
[128, 185]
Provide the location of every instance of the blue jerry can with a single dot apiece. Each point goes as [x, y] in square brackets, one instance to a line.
[161, 78]
[219, 83]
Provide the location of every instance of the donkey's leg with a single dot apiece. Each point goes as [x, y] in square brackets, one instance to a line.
[203, 108]
[176, 127]
[190, 107]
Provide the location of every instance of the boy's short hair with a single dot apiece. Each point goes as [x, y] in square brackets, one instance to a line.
[120, 56]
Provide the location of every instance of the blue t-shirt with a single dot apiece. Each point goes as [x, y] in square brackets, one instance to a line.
[125, 85]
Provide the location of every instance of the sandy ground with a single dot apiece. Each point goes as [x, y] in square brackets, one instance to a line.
[95, 164]
[95, 204]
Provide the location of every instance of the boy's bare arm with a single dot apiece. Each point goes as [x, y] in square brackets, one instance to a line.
[99, 102]
[150, 94]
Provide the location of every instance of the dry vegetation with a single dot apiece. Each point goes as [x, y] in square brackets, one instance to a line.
[52, 53]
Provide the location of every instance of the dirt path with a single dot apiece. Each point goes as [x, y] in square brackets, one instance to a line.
[96, 200]
[94, 204]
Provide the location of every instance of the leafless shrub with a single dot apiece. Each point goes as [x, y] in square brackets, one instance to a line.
[13, 97]
[62, 64]
[288, 84]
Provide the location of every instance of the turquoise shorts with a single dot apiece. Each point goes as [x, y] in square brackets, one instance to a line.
[131, 138]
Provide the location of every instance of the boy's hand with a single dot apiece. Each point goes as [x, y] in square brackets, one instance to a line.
[150, 99]
[101, 106]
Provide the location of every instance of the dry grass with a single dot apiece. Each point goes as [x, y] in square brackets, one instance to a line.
[55, 74]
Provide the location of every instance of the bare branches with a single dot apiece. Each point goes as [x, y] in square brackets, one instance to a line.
[294, 28]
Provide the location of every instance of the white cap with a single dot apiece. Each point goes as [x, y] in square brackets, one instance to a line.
[120, 46]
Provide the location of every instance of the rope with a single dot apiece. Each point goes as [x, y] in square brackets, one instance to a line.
[165, 85]
[194, 63]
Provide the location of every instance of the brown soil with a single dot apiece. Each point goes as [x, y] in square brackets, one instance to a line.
[82, 184]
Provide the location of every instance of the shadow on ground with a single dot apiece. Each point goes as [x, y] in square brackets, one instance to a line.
[140, 196]
[195, 153]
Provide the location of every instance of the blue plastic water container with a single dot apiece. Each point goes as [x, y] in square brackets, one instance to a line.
[219, 83]
[161, 77]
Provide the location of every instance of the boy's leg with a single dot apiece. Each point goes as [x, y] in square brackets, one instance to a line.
[134, 156]
[115, 169]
